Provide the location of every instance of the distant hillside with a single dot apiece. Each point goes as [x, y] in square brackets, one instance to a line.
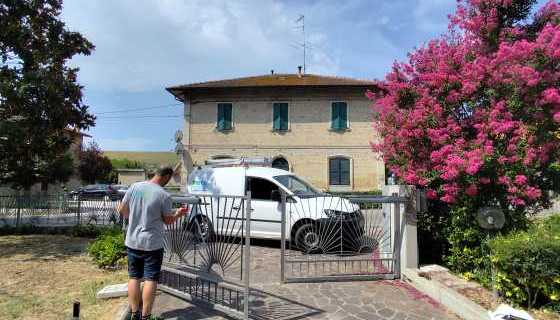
[151, 159]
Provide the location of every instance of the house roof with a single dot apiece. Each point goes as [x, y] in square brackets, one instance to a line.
[273, 80]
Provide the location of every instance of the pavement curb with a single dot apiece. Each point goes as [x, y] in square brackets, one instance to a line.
[122, 313]
[447, 297]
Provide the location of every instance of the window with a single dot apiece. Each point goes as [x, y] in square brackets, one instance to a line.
[296, 185]
[261, 189]
[281, 163]
[339, 171]
[339, 116]
[280, 116]
[224, 117]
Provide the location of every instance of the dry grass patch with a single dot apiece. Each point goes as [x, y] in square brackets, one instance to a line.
[44, 274]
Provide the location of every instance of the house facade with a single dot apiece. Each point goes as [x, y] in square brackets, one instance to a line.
[315, 126]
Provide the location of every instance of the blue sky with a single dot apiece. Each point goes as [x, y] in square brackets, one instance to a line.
[144, 46]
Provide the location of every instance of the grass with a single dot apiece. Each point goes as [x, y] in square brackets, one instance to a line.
[43, 274]
[152, 159]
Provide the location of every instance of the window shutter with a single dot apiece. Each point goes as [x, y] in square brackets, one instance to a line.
[276, 116]
[345, 172]
[280, 116]
[343, 115]
[224, 116]
[221, 118]
[334, 116]
[284, 117]
[227, 116]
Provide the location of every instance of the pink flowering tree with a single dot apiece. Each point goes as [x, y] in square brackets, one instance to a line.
[474, 116]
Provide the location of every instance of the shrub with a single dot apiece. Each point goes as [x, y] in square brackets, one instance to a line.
[108, 250]
[527, 265]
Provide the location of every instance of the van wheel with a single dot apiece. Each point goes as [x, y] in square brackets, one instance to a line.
[307, 238]
[202, 229]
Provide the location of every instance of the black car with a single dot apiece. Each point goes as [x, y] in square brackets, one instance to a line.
[120, 189]
[95, 191]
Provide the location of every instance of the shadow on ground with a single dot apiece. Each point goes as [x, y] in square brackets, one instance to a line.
[60, 247]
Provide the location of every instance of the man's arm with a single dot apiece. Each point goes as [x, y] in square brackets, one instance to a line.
[169, 215]
[123, 208]
[171, 218]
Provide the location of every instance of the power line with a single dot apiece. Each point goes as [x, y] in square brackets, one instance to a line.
[138, 109]
[138, 117]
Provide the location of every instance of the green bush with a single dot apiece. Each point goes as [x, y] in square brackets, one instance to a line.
[527, 264]
[86, 231]
[108, 250]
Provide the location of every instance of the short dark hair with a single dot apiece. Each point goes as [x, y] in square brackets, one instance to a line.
[164, 171]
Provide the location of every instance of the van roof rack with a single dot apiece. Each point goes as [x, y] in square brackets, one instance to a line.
[239, 162]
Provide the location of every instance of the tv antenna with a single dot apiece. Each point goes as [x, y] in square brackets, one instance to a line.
[301, 21]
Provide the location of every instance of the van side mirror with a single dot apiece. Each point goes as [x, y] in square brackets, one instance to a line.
[275, 196]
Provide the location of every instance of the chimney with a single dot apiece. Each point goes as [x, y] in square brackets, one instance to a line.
[271, 71]
[299, 71]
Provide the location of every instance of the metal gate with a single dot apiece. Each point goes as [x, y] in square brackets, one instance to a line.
[207, 253]
[330, 238]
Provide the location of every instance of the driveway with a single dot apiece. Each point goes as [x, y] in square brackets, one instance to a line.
[270, 299]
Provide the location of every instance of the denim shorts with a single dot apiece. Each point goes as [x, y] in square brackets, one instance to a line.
[144, 264]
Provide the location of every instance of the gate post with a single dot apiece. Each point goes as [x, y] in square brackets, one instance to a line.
[247, 254]
[408, 238]
[283, 239]
[79, 208]
[18, 209]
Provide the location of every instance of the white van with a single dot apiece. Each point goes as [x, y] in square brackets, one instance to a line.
[315, 220]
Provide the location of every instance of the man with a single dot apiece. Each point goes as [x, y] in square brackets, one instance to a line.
[148, 207]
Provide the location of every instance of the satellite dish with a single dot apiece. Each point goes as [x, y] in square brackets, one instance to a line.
[178, 136]
[490, 218]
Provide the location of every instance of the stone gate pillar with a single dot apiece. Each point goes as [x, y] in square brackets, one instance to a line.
[408, 228]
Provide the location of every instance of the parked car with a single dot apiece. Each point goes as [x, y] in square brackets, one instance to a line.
[316, 222]
[120, 189]
[95, 191]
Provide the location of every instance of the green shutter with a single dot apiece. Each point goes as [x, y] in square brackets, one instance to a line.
[224, 116]
[280, 116]
[339, 116]
[227, 116]
[276, 114]
[343, 115]
[334, 116]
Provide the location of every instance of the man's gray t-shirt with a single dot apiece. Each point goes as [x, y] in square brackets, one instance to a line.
[147, 202]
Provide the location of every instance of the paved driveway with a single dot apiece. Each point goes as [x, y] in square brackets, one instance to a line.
[271, 299]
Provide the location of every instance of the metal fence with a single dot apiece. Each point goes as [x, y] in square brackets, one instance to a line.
[207, 252]
[57, 210]
[329, 238]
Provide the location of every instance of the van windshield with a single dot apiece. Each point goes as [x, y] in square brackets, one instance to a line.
[296, 185]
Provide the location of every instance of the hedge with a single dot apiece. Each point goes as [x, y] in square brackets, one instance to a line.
[108, 250]
[526, 265]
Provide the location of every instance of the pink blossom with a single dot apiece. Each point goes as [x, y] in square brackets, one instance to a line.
[520, 180]
[484, 180]
[431, 194]
[471, 190]
[533, 193]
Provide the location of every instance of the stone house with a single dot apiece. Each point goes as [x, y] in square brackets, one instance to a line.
[318, 127]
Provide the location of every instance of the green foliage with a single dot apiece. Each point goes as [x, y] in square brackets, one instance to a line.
[94, 166]
[527, 265]
[125, 163]
[40, 96]
[86, 231]
[108, 250]
[432, 241]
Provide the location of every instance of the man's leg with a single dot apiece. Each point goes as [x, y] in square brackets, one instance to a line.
[148, 297]
[134, 295]
[135, 274]
[152, 271]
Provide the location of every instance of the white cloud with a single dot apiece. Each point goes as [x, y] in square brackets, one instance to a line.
[144, 45]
